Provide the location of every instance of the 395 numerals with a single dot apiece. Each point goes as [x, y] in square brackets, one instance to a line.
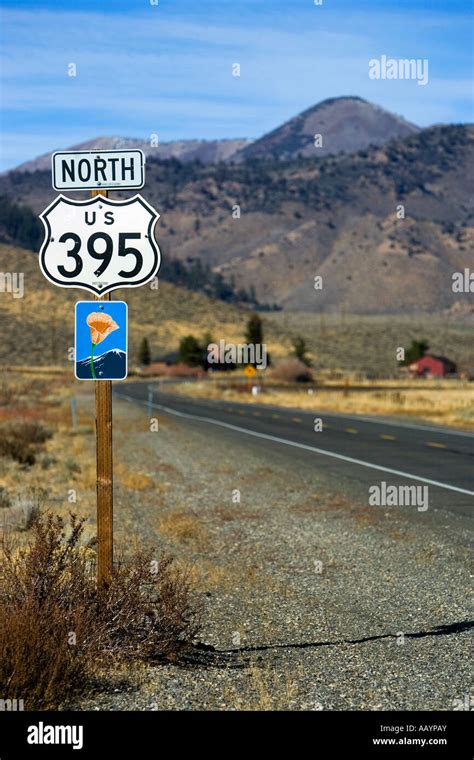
[104, 254]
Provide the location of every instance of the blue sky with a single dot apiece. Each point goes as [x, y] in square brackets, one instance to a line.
[167, 69]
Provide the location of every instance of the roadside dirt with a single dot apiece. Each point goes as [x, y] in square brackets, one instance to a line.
[311, 601]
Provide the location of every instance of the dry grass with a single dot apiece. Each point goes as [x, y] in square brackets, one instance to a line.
[209, 576]
[185, 528]
[449, 402]
[41, 324]
[447, 406]
[57, 629]
[21, 509]
[367, 343]
[134, 481]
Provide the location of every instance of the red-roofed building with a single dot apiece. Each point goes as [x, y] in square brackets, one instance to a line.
[433, 366]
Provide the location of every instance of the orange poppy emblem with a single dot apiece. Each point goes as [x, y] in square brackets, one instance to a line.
[100, 325]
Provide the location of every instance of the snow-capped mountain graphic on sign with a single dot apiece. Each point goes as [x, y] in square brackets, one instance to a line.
[112, 365]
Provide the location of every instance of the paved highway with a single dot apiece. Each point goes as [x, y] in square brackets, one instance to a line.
[361, 451]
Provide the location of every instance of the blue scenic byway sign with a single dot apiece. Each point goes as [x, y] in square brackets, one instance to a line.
[101, 340]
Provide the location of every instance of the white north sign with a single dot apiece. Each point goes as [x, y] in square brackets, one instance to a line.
[94, 169]
[99, 244]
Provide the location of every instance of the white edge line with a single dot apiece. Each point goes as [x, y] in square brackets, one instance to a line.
[300, 446]
[355, 417]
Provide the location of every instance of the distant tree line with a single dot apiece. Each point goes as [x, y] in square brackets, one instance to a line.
[19, 225]
[194, 352]
[199, 277]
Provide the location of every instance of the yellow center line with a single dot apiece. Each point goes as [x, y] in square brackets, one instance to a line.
[387, 437]
[435, 445]
[351, 430]
[296, 419]
[276, 416]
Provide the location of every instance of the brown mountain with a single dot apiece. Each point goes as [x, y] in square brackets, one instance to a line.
[385, 227]
[206, 151]
[346, 125]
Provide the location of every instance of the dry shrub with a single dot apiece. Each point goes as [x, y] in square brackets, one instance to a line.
[21, 511]
[6, 394]
[57, 630]
[40, 604]
[5, 498]
[292, 371]
[32, 503]
[21, 440]
[146, 612]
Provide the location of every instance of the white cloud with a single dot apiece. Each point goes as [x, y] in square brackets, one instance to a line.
[156, 71]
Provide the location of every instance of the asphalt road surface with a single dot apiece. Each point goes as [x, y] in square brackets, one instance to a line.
[358, 451]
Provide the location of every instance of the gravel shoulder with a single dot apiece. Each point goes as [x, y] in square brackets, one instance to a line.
[312, 600]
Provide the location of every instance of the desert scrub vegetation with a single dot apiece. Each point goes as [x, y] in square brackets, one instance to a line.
[20, 510]
[59, 632]
[21, 441]
[292, 370]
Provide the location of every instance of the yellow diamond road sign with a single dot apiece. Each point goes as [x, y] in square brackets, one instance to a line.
[250, 371]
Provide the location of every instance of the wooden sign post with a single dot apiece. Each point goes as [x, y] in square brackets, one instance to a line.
[127, 256]
[105, 473]
[105, 503]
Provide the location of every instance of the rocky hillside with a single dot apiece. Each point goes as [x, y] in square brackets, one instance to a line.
[385, 228]
[345, 125]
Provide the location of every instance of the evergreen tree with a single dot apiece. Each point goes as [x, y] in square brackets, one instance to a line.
[190, 352]
[254, 331]
[18, 224]
[207, 339]
[144, 356]
[417, 349]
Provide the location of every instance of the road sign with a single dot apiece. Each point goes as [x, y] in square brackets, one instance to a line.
[99, 244]
[101, 340]
[250, 371]
[95, 169]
